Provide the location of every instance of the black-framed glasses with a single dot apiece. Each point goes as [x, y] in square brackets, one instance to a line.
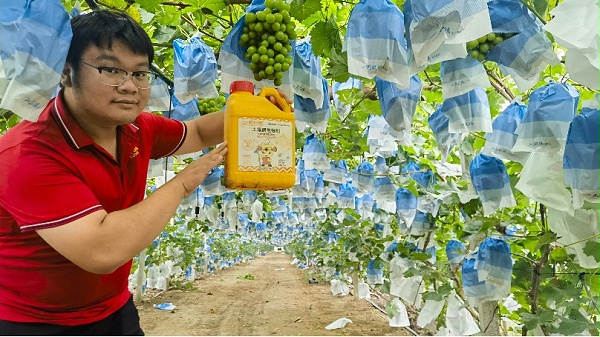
[115, 77]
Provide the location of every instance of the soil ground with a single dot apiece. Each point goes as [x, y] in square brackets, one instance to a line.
[267, 296]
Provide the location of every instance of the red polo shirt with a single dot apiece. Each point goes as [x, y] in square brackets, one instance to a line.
[51, 173]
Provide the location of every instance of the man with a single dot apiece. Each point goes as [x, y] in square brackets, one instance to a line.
[72, 186]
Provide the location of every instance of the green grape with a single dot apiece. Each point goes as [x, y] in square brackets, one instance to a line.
[484, 47]
[261, 16]
[208, 105]
[266, 39]
[472, 44]
[250, 18]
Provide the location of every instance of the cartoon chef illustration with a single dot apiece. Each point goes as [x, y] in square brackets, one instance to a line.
[265, 154]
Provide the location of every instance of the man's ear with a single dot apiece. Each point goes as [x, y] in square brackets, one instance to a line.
[65, 77]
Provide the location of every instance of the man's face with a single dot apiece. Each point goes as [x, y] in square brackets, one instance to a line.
[92, 101]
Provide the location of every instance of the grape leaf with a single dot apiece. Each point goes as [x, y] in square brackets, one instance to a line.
[338, 66]
[325, 37]
[149, 5]
[302, 9]
[591, 248]
[164, 34]
[540, 6]
[570, 327]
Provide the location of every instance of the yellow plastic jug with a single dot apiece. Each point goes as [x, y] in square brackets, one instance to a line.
[260, 139]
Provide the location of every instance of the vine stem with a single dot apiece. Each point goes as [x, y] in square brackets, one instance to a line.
[537, 272]
[499, 85]
[461, 293]
[524, 2]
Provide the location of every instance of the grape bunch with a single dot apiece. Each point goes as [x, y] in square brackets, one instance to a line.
[479, 48]
[208, 105]
[266, 36]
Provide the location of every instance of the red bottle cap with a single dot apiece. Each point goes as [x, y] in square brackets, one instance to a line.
[241, 86]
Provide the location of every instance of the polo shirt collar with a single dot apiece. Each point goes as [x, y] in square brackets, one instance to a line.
[74, 133]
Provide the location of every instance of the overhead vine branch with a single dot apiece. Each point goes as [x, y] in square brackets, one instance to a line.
[499, 85]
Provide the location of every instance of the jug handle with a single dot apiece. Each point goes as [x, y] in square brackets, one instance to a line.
[273, 92]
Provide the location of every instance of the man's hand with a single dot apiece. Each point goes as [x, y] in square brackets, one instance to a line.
[273, 100]
[195, 173]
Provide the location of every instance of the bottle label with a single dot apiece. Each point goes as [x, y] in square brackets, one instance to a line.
[265, 145]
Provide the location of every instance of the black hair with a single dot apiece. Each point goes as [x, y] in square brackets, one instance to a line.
[101, 28]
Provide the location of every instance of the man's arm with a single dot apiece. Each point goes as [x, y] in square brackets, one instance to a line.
[202, 132]
[102, 242]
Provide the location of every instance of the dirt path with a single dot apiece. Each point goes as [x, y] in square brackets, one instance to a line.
[278, 301]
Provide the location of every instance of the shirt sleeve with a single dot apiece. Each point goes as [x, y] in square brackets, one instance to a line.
[43, 192]
[167, 134]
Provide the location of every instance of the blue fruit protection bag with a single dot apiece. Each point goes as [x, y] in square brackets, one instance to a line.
[184, 111]
[461, 75]
[35, 36]
[313, 113]
[500, 141]
[384, 193]
[337, 172]
[581, 158]
[382, 139]
[491, 182]
[314, 154]
[425, 178]
[398, 106]
[306, 77]
[468, 112]
[493, 266]
[375, 42]
[406, 206]
[160, 96]
[439, 29]
[346, 196]
[364, 177]
[546, 122]
[455, 250]
[421, 224]
[195, 70]
[349, 88]
[211, 186]
[445, 140]
[525, 55]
